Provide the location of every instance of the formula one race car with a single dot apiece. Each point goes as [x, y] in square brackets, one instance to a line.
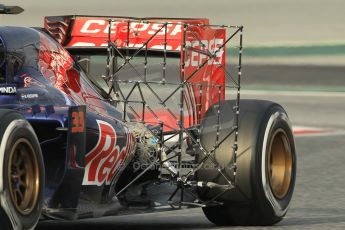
[115, 115]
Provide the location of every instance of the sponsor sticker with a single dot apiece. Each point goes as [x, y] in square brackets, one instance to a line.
[8, 89]
[105, 160]
[29, 96]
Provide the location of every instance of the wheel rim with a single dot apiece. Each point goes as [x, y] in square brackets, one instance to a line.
[280, 164]
[23, 176]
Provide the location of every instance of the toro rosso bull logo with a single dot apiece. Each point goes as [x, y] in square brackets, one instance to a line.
[105, 160]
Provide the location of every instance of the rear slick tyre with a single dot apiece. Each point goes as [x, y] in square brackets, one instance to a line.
[21, 174]
[266, 164]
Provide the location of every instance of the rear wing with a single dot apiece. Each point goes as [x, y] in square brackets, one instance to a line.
[200, 45]
[93, 31]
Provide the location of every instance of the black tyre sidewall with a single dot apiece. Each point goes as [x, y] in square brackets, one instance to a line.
[275, 118]
[20, 128]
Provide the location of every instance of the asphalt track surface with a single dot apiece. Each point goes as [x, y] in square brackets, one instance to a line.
[293, 77]
[319, 199]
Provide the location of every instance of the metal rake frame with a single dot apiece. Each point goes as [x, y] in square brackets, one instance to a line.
[183, 181]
